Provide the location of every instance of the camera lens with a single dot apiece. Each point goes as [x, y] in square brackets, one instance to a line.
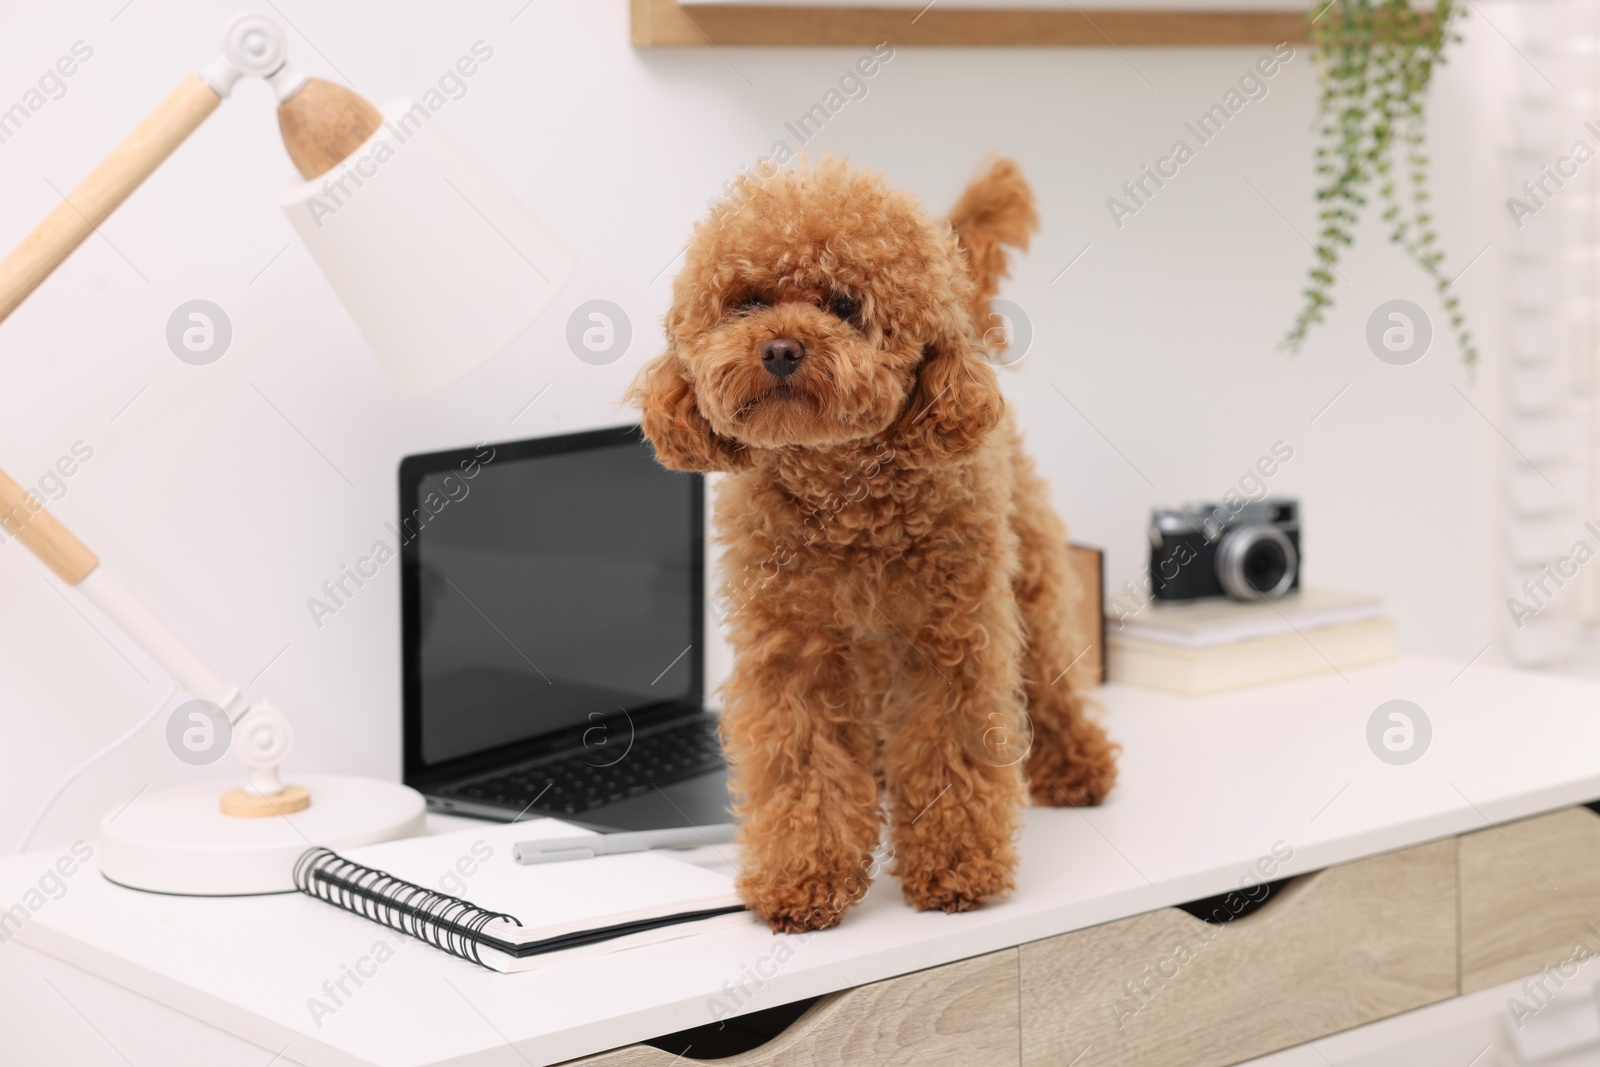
[1256, 563]
[1264, 565]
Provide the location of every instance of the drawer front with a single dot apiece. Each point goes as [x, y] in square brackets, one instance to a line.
[959, 1015]
[1530, 897]
[1335, 949]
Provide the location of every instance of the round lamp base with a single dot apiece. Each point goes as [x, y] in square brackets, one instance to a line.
[179, 841]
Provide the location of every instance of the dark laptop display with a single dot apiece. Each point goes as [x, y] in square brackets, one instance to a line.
[551, 607]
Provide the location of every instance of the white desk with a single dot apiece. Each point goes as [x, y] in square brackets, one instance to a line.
[1208, 788]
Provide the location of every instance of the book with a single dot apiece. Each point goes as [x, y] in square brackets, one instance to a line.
[520, 917]
[1196, 671]
[1219, 621]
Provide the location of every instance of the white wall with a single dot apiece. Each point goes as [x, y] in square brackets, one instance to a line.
[224, 519]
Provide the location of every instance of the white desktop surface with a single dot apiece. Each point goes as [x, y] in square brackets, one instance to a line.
[1208, 788]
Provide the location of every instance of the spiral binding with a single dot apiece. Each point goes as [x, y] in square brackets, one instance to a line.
[443, 921]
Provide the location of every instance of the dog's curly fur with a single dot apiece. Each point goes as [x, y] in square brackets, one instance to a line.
[898, 583]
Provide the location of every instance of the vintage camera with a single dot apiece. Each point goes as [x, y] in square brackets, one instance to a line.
[1249, 553]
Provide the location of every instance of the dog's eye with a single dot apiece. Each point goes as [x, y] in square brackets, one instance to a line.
[754, 303]
[843, 307]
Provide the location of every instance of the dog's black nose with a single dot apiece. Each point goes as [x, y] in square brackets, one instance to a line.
[782, 356]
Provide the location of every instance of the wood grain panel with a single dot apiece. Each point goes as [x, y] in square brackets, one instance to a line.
[959, 1015]
[1337, 949]
[1530, 897]
[663, 23]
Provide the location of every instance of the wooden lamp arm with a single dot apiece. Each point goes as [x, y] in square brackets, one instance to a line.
[98, 195]
[271, 737]
[321, 123]
[22, 515]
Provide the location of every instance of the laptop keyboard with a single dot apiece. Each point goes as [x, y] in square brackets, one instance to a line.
[574, 784]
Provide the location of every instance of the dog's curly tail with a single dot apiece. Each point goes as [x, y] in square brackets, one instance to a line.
[995, 211]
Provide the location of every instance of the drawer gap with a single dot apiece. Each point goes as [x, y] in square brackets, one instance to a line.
[1234, 904]
[730, 1037]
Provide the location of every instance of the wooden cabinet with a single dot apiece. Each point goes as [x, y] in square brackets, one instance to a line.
[1530, 897]
[1335, 949]
[960, 1015]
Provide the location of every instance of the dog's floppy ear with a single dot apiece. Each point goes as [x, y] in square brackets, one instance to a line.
[683, 439]
[955, 403]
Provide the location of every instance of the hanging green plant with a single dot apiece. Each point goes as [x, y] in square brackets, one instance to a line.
[1376, 61]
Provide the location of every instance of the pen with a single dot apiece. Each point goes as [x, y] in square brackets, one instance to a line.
[557, 849]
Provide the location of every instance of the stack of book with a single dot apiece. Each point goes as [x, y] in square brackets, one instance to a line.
[1207, 646]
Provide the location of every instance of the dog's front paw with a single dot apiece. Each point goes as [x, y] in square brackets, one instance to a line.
[793, 904]
[954, 884]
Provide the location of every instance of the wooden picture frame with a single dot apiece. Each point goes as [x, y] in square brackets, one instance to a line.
[1089, 564]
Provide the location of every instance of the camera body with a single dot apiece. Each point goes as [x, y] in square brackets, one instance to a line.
[1206, 550]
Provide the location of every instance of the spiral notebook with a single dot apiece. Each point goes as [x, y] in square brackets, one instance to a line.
[464, 893]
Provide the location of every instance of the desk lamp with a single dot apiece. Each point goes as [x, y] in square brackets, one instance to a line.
[441, 267]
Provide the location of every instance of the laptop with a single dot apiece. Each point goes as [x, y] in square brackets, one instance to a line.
[552, 595]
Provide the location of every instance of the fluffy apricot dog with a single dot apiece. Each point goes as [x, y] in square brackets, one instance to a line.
[898, 584]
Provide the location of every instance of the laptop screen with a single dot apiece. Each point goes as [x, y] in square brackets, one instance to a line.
[550, 584]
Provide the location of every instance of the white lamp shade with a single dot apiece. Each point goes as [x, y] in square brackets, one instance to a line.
[438, 263]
